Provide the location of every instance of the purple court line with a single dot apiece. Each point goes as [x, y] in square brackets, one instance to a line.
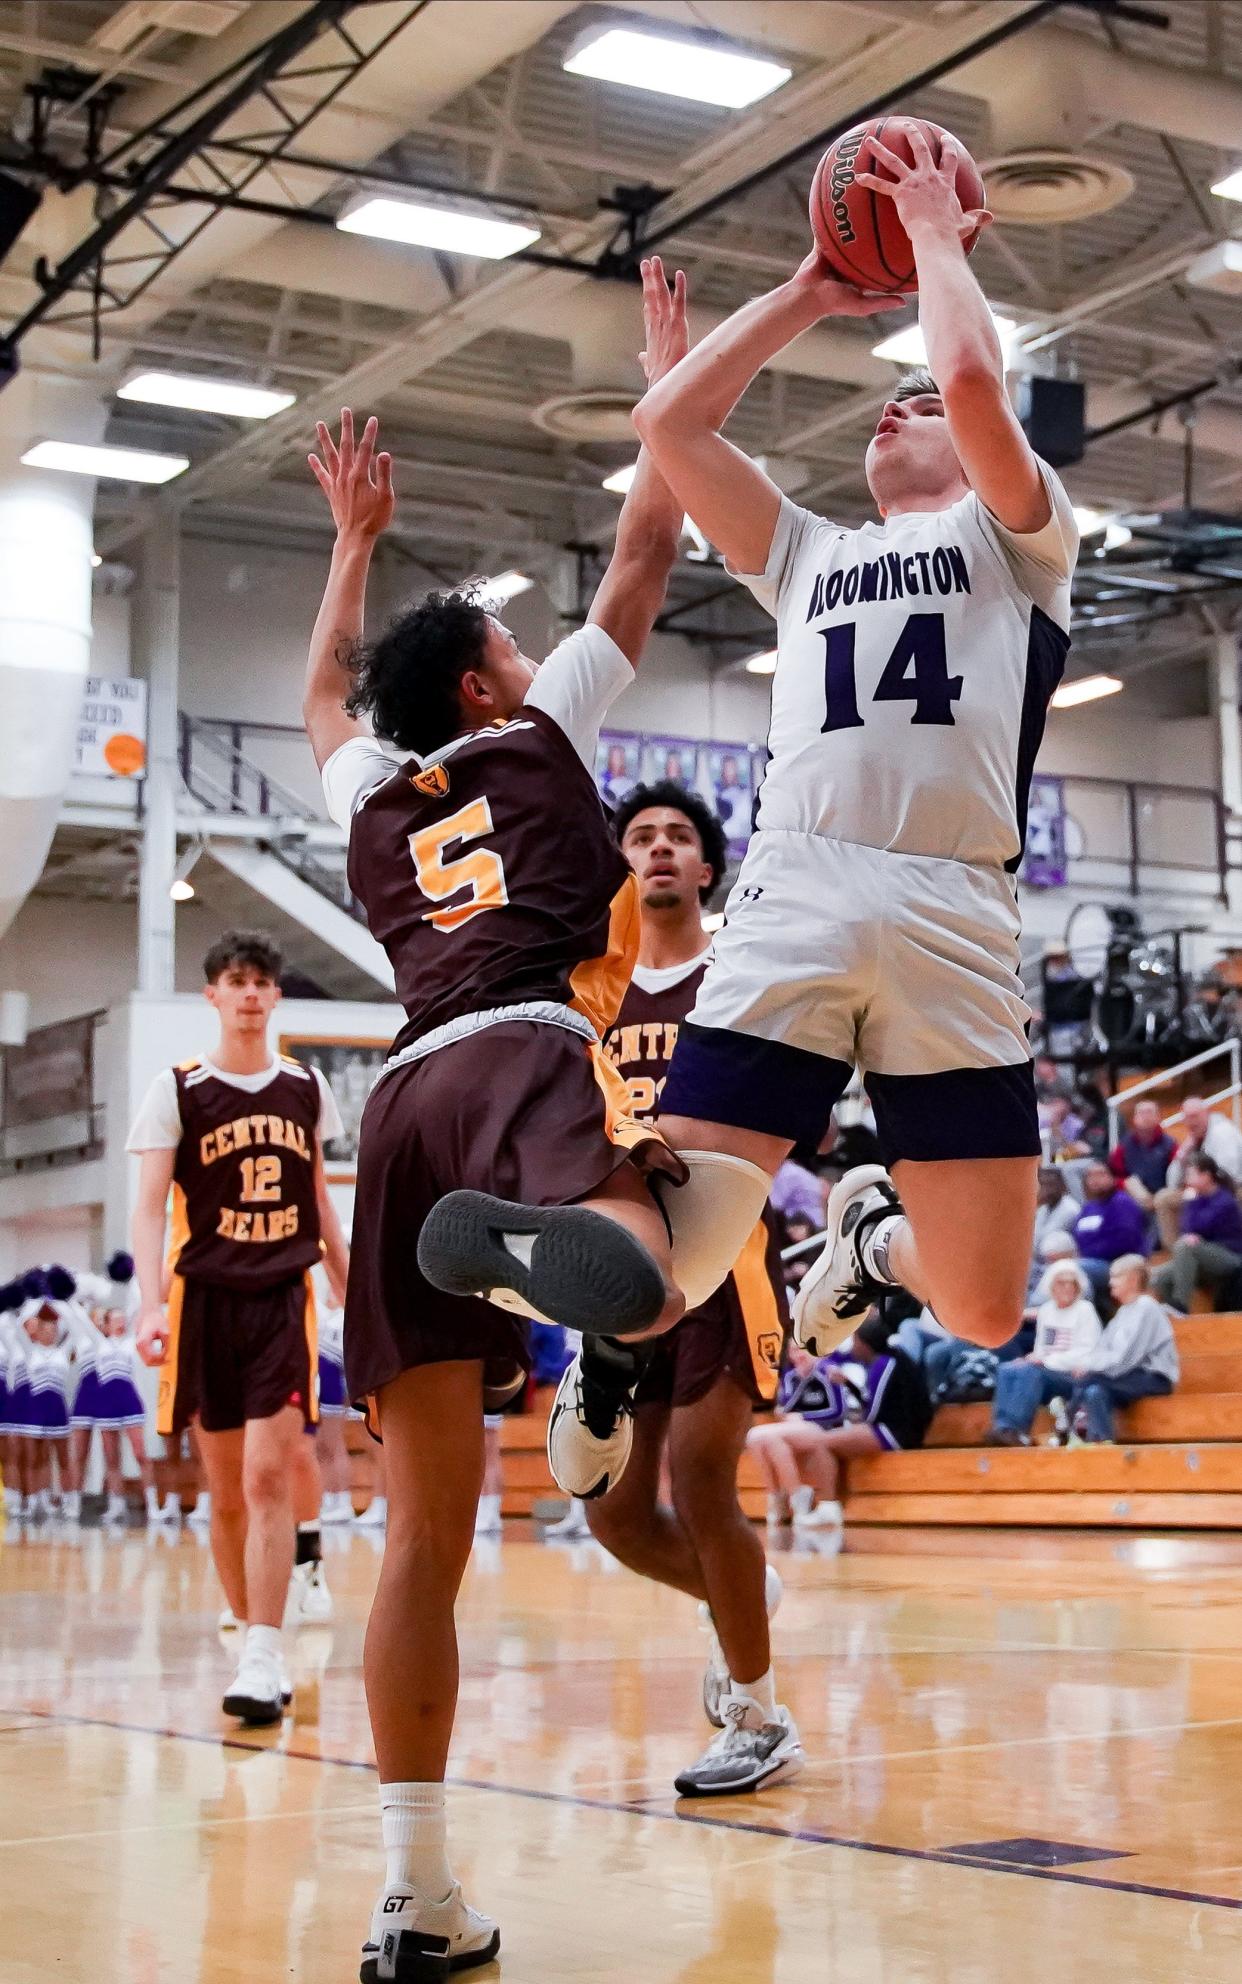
[637, 1809]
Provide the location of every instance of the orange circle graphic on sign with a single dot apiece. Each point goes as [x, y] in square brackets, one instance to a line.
[124, 754]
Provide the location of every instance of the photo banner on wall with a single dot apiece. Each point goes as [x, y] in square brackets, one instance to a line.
[726, 776]
[1045, 864]
[350, 1068]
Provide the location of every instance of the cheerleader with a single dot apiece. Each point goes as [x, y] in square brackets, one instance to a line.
[118, 1409]
[54, 1331]
[334, 1410]
[13, 1342]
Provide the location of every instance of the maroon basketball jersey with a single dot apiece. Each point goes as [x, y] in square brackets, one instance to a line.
[244, 1207]
[490, 876]
[640, 1045]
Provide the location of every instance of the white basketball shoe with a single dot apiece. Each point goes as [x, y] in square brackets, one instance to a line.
[416, 1942]
[837, 1289]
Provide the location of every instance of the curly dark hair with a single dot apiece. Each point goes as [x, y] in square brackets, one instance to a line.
[408, 680]
[667, 792]
[243, 947]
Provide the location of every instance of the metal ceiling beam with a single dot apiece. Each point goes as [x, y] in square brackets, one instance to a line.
[84, 273]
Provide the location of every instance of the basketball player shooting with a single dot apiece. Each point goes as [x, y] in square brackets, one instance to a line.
[483, 856]
[875, 918]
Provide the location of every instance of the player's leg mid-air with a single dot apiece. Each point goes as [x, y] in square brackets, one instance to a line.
[692, 1392]
[874, 922]
[498, 1155]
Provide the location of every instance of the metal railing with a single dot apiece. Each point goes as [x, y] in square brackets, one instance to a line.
[217, 773]
[1232, 1093]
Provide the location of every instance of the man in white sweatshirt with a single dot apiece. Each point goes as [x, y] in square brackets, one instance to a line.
[1135, 1358]
[1067, 1332]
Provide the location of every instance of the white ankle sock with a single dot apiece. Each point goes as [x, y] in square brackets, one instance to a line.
[876, 1245]
[413, 1819]
[802, 1500]
[263, 1640]
[762, 1691]
[152, 1497]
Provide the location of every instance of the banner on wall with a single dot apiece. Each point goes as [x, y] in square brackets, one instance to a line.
[51, 1074]
[1045, 864]
[725, 775]
[112, 729]
[350, 1068]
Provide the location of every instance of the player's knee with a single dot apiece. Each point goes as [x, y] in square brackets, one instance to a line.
[704, 1489]
[988, 1321]
[266, 1483]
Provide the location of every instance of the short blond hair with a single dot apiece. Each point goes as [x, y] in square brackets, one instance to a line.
[1132, 1264]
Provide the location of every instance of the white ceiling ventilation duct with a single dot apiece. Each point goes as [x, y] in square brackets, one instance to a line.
[1038, 172]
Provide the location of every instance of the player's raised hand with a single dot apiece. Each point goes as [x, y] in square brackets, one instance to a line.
[925, 191]
[664, 320]
[355, 479]
[839, 299]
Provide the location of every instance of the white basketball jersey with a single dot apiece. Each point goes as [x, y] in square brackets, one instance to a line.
[915, 662]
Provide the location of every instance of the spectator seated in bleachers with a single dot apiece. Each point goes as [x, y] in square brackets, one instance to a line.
[1110, 1224]
[1141, 1160]
[1067, 1330]
[868, 1397]
[1056, 1210]
[1208, 1249]
[1208, 1134]
[1065, 1131]
[1135, 1358]
[799, 1194]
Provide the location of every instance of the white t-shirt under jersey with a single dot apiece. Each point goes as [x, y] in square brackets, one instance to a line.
[575, 686]
[157, 1126]
[915, 659]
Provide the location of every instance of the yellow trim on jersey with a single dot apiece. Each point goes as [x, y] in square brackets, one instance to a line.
[761, 1314]
[310, 1323]
[166, 1403]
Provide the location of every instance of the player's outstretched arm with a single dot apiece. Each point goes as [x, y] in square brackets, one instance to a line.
[147, 1241]
[358, 485]
[963, 350]
[679, 418]
[632, 590]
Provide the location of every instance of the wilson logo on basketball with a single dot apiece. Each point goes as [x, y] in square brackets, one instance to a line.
[433, 783]
[840, 182]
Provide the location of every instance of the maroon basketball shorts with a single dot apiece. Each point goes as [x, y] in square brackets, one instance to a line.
[738, 1333]
[236, 1354]
[525, 1110]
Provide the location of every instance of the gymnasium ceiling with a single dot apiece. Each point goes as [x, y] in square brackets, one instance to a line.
[457, 355]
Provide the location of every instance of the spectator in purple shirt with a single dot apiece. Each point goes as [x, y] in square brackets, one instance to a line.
[1110, 1224]
[1209, 1249]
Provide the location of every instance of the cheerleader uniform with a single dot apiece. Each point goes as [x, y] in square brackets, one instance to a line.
[108, 1396]
[49, 1390]
[333, 1397]
[18, 1375]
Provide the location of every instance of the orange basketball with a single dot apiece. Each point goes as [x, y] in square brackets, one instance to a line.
[857, 230]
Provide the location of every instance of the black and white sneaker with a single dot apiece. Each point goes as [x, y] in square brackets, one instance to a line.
[591, 1425]
[257, 1691]
[424, 1942]
[748, 1754]
[837, 1290]
[559, 1264]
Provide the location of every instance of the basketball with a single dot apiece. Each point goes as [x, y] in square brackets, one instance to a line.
[858, 231]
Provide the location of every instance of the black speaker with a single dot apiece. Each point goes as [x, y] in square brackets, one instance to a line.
[17, 202]
[1053, 416]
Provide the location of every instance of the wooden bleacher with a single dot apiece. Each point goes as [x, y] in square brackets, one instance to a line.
[1177, 1463]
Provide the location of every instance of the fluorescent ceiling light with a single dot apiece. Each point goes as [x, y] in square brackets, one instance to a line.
[762, 664]
[1090, 521]
[181, 890]
[115, 464]
[506, 586]
[204, 395]
[1229, 188]
[1116, 536]
[691, 69]
[96, 560]
[712, 922]
[1086, 690]
[422, 226]
[620, 479]
[906, 347]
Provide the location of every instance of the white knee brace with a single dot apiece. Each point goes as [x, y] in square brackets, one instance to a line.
[712, 1216]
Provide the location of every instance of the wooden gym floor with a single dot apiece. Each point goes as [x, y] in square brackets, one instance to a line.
[1025, 1762]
